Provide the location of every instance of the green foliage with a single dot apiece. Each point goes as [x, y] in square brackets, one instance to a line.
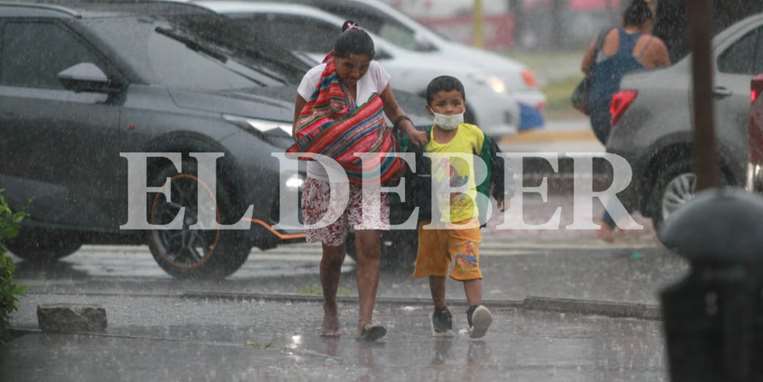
[9, 290]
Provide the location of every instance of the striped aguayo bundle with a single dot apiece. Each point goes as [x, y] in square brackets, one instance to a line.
[328, 125]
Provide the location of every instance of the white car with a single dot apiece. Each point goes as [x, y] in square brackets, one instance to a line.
[311, 31]
[410, 35]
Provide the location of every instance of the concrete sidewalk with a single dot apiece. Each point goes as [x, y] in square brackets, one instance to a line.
[177, 339]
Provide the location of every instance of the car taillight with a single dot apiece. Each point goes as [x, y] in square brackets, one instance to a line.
[529, 78]
[756, 87]
[620, 103]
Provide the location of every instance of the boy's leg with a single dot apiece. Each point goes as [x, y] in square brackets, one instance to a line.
[331, 269]
[473, 291]
[432, 261]
[368, 245]
[437, 288]
[463, 248]
[442, 320]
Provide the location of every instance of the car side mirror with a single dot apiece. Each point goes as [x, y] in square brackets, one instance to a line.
[87, 77]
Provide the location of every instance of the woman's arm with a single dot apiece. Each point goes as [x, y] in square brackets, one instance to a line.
[588, 58]
[395, 113]
[662, 57]
[299, 103]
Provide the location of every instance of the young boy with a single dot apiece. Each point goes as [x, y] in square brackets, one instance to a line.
[455, 239]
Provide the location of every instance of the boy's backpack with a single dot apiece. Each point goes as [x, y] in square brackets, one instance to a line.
[493, 185]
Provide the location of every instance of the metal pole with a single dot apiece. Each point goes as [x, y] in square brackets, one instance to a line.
[706, 157]
[479, 41]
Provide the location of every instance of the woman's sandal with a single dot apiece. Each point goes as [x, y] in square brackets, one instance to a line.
[372, 332]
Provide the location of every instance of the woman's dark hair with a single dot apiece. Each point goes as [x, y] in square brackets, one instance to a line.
[444, 84]
[353, 40]
[637, 13]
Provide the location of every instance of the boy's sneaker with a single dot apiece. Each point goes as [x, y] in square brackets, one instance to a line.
[479, 319]
[442, 322]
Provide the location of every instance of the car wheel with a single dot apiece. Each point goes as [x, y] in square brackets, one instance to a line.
[398, 249]
[192, 253]
[42, 246]
[675, 186]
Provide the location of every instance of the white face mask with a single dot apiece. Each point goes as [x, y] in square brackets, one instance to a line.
[448, 121]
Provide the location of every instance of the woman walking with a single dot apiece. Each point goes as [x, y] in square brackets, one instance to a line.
[347, 87]
[622, 50]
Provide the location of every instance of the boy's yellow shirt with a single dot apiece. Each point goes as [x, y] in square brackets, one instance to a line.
[468, 140]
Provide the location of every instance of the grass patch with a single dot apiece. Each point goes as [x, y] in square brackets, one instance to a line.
[558, 105]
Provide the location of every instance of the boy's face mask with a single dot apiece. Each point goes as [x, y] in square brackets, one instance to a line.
[448, 122]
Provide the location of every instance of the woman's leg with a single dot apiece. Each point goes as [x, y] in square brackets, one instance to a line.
[331, 269]
[368, 254]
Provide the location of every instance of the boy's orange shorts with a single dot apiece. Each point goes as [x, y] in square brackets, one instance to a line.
[439, 247]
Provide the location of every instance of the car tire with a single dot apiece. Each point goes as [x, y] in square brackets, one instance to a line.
[186, 253]
[398, 249]
[675, 185]
[42, 246]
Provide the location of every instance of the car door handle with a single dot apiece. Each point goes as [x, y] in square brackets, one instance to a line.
[721, 92]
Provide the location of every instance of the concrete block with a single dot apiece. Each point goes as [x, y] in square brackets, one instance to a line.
[71, 318]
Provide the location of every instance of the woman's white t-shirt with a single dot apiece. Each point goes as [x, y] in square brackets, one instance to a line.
[373, 82]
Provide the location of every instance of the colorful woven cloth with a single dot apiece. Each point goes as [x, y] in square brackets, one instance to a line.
[329, 125]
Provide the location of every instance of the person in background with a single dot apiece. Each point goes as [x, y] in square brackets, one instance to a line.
[623, 50]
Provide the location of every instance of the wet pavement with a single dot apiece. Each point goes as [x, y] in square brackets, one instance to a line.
[162, 329]
[567, 307]
[209, 340]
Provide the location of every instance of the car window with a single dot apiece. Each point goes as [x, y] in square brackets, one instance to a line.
[155, 49]
[382, 25]
[740, 57]
[294, 33]
[399, 35]
[33, 53]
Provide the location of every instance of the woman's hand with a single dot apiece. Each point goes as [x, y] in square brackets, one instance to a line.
[418, 138]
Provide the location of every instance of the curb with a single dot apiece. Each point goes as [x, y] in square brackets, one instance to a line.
[584, 307]
[561, 305]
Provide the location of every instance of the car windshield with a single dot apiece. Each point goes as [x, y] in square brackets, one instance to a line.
[195, 52]
[381, 24]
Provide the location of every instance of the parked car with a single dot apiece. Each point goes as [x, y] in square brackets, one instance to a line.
[652, 126]
[308, 30]
[83, 83]
[410, 35]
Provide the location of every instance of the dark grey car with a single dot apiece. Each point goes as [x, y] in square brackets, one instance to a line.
[81, 84]
[654, 129]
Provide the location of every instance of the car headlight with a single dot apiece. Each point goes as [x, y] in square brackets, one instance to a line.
[494, 82]
[295, 182]
[259, 125]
